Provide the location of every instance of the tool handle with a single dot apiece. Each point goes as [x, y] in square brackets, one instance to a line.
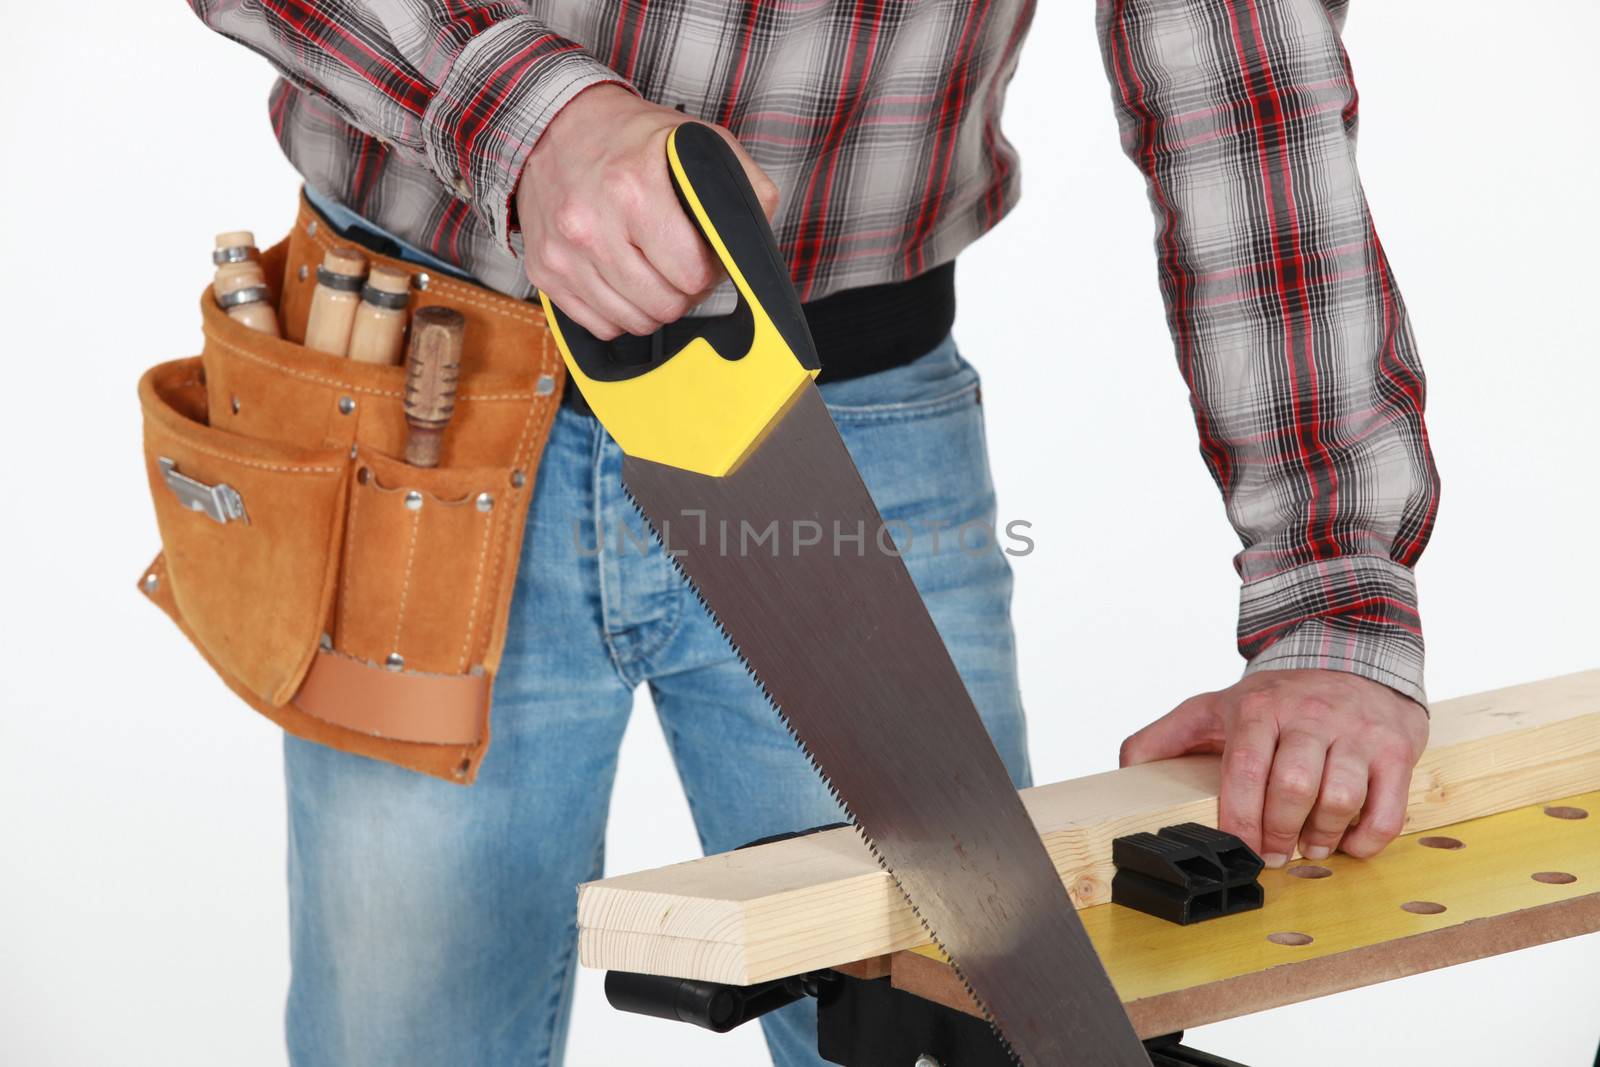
[709, 176]
[711, 1005]
[699, 393]
[433, 368]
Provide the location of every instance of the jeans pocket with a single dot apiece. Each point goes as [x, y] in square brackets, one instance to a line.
[932, 384]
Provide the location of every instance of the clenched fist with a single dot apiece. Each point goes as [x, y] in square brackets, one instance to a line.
[603, 233]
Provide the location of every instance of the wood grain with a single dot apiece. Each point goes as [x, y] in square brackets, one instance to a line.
[820, 901]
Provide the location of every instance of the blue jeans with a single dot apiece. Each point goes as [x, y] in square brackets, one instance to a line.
[434, 924]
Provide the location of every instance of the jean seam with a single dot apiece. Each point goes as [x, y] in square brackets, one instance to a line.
[564, 988]
[668, 627]
[669, 733]
[903, 412]
[597, 491]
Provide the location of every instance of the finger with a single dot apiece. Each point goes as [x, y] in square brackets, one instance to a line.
[1246, 763]
[766, 189]
[1189, 727]
[633, 277]
[593, 289]
[1344, 790]
[1291, 793]
[1384, 816]
[675, 249]
[586, 316]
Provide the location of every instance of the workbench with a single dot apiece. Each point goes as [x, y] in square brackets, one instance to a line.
[1435, 899]
[1502, 852]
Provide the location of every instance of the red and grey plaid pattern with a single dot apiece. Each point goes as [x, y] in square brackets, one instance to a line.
[880, 122]
[1303, 373]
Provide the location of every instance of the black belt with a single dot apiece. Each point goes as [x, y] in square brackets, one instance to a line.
[857, 331]
[870, 329]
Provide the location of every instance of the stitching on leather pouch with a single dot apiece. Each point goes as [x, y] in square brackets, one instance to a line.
[463, 292]
[405, 588]
[336, 383]
[378, 486]
[477, 591]
[523, 447]
[344, 567]
[275, 468]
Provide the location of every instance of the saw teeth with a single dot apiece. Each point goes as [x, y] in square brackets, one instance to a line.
[827, 781]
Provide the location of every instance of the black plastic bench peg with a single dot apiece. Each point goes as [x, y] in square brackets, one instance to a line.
[1185, 874]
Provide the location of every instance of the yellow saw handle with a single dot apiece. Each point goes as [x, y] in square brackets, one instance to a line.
[700, 393]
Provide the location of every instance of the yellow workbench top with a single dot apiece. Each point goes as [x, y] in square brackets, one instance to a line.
[1474, 889]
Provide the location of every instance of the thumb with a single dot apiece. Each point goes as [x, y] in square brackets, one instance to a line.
[1193, 726]
[765, 188]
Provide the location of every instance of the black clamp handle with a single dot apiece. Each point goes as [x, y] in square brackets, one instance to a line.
[710, 1005]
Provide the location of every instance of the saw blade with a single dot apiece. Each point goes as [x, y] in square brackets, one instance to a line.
[793, 561]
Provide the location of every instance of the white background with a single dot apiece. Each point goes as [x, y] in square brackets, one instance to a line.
[142, 903]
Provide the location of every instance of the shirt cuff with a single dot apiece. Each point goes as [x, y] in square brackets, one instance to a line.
[1354, 613]
[504, 88]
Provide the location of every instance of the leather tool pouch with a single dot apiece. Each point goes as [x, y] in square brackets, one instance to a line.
[356, 601]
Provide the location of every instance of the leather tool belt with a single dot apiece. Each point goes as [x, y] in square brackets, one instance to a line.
[354, 600]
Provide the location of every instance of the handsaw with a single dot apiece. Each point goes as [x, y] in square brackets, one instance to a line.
[732, 457]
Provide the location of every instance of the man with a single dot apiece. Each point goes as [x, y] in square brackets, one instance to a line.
[522, 143]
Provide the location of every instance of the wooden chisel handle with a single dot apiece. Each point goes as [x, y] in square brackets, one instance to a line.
[433, 367]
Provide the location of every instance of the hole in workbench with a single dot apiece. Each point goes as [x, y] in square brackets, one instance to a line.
[1562, 811]
[1290, 938]
[1450, 843]
[1310, 870]
[1555, 877]
[1422, 907]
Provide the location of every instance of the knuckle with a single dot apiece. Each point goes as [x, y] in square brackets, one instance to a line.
[622, 187]
[1257, 706]
[1247, 767]
[1312, 706]
[1296, 785]
[1340, 798]
[1361, 847]
[701, 276]
[767, 192]
[552, 262]
[575, 223]
[671, 308]
[1385, 828]
[1396, 751]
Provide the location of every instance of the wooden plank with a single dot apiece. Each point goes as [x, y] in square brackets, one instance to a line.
[1466, 903]
[820, 901]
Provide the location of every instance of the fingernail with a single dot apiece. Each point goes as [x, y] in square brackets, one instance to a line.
[1317, 852]
[1274, 859]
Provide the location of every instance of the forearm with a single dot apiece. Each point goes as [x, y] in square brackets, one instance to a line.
[1290, 331]
[466, 89]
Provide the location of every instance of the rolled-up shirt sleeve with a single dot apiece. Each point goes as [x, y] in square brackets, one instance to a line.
[1290, 331]
[465, 88]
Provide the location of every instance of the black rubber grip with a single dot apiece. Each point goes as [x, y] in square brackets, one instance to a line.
[713, 170]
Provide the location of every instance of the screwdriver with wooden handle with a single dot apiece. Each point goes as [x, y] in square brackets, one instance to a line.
[433, 368]
[380, 320]
[335, 299]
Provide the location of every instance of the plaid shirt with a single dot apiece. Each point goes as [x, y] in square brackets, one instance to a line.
[880, 122]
